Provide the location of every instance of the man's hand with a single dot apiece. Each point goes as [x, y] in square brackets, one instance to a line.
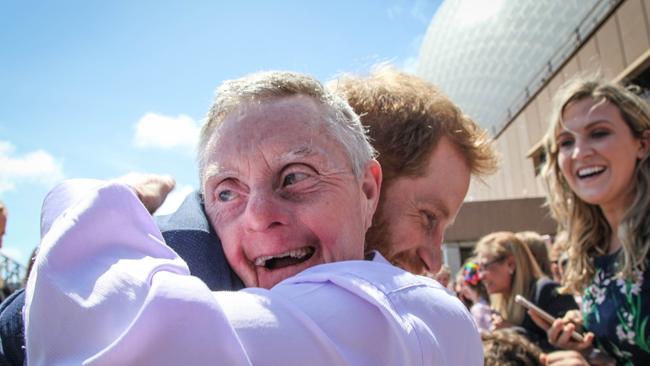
[152, 189]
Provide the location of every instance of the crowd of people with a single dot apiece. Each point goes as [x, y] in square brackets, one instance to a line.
[319, 208]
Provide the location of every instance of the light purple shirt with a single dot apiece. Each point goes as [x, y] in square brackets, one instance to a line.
[106, 290]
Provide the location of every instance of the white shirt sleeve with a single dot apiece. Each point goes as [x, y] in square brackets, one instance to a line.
[106, 290]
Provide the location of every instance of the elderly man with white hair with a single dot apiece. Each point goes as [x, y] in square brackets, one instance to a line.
[290, 186]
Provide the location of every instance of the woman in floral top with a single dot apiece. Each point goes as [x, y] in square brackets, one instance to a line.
[598, 179]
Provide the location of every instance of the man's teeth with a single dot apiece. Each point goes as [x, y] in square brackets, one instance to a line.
[590, 171]
[294, 253]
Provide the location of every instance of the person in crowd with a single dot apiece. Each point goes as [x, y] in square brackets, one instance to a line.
[473, 289]
[507, 268]
[428, 149]
[458, 289]
[290, 187]
[505, 347]
[431, 141]
[538, 246]
[558, 256]
[597, 174]
[3, 221]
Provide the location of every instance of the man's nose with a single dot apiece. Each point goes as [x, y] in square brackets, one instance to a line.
[430, 256]
[264, 211]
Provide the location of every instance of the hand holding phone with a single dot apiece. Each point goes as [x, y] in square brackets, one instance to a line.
[544, 315]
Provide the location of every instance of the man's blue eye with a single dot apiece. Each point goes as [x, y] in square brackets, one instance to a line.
[226, 195]
[293, 178]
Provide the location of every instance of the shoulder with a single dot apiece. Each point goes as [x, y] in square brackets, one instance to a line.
[545, 285]
[189, 233]
[547, 296]
[415, 308]
[11, 329]
[189, 216]
[376, 278]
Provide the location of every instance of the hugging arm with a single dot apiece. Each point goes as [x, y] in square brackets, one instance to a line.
[106, 290]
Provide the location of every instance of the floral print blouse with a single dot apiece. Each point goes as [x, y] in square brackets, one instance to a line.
[617, 311]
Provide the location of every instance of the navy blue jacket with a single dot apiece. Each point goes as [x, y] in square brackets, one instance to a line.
[187, 231]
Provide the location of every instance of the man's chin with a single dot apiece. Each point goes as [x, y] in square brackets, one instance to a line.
[408, 263]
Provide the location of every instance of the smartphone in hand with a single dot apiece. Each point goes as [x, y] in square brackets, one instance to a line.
[544, 315]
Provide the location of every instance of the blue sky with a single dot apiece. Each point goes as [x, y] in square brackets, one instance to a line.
[97, 89]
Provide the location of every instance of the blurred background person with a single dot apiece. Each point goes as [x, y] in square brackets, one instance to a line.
[597, 174]
[507, 268]
[538, 246]
[458, 288]
[473, 290]
[505, 347]
[556, 256]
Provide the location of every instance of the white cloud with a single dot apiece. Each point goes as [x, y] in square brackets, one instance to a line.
[174, 199]
[35, 167]
[165, 132]
[394, 12]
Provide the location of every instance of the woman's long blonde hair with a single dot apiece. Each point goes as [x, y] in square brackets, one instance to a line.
[502, 245]
[589, 231]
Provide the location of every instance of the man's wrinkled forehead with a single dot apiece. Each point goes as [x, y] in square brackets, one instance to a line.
[279, 131]
[301, 109]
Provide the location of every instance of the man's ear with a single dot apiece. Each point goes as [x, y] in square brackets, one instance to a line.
[370, 187]
[644, 147]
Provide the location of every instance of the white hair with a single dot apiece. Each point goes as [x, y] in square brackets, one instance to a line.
[340, 120]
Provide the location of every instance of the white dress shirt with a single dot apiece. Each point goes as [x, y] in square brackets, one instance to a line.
[106, 290]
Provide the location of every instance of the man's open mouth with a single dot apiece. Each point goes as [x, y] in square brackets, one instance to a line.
[288, 258]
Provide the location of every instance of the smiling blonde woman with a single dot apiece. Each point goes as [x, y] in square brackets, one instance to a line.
[598, 178]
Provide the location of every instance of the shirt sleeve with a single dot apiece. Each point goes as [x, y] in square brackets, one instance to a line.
[106, 290]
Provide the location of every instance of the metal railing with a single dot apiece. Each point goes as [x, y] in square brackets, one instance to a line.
[589, 23]
[11, 272]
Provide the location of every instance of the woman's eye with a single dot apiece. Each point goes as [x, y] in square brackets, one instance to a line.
[293, 178]
[564, 143]
[226, 195]
[599, 134]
